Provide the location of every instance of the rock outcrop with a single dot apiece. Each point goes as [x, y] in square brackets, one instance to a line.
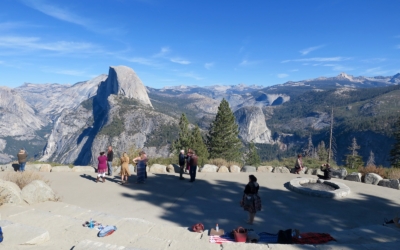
[353, 177]
[248, 169]
[209, 168]
[372, 178]
[252, 125]
[37, 191]
[10, 192]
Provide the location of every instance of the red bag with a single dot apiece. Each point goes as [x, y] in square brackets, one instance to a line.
[199, 228]
[240, 234]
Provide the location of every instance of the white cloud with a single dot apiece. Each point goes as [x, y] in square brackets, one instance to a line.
[163, 52]
[308, 50]
[282, 75]
[142, 60]
[319, 59]
[338, 67]
[35, 43]
[248, 63]
[294, 70]
[179, 61]
[191, 75]
[209, 65]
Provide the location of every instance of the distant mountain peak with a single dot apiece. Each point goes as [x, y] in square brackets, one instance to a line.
[345, 76]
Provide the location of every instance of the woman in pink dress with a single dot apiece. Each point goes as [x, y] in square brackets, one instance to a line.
[102, 167]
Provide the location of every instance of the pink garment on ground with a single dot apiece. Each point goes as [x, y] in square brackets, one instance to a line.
[102, 167]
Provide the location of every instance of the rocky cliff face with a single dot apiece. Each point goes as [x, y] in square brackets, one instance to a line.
[252, 125]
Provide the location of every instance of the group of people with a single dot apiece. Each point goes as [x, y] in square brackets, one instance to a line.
[105, 166]
[190, 160]
[325, 168]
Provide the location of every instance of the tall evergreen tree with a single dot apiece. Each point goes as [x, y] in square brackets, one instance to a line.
[371, 159]
[223, 140]
[198, 145]
[353, 160]
[252, 157]
[395, 152]
[184, 139]
[322, 152]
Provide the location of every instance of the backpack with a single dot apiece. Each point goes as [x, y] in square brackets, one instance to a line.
[107, 231]
[285, 237]
[199, 228]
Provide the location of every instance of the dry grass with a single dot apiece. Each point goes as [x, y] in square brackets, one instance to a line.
[24, 178]
[222, 162]
[393, 173]
[373, 169]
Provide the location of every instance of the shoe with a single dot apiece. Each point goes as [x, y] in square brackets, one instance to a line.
[181, 178]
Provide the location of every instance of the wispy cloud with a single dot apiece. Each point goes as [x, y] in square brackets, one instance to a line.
[179, 61]
[308, 50]
[248, 62]
[5, 26]
[209, 65]
[338, 67]
[319, 59]
[191, 75]
[398, 46]
[65, 72]
[374, 60]
[376, 71]
[142, 60]
[163, 52]
[294, 70]
[282, 75]
[35, 43]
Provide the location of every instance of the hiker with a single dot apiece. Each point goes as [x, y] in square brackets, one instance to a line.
[299, 164]
[395, 221]
[193, 165]
[110, 157]
[141, 161]
[181, 163]
[102, 167]
[22, 156]
[187, 157]
[124, 168]
[251, 202]
[326, 168]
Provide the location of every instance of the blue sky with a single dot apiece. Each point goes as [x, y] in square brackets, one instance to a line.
[197, 42]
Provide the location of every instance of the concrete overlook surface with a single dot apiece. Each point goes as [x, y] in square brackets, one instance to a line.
[174, 205]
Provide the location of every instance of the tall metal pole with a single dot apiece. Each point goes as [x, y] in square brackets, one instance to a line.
[330, 139]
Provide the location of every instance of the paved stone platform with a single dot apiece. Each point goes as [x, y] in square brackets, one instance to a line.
[156, 215]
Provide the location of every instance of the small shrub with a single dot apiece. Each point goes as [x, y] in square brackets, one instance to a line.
[218, 162]
[24, 178]
[162, 161]
[372, 169]
[393, 173]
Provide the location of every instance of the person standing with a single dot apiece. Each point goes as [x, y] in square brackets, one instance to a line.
[299, 164]
[193, 165]
[141, 162]
[251, 202]
[124, 168]
[181, 163]
[188, 160]
[22, 157]
[110, 158]
[102, 167]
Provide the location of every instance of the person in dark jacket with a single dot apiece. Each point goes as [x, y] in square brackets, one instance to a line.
[193, 165]
[181, 163]
[22, 157]
[251, 202]
[326, 168]
[110, 157]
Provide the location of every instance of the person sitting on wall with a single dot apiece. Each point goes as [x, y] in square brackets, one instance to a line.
[299, 164]
[326, 168]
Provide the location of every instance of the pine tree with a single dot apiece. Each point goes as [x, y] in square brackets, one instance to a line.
[198, 145]
[371, 159]
[309, 149]
[353, 160]
[184, 139]
[322, 151]
[223, 140]
[252, 159]
[395, 152]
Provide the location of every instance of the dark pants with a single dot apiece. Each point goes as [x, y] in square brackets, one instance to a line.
[182, 167]
[323, 177]
[192, 171]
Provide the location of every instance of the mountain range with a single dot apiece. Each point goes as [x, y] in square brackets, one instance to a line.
[73, 123]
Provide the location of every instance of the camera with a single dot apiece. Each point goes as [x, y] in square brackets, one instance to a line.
[323, 167]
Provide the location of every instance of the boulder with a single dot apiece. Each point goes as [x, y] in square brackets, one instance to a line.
[234, 169]
[10, 192]
[353, 177]
[311, 171]
[249, 169]
[372, 178]
[384, 183]
[282, 170]
[223, 169]
[318, 171]
[32, 167]
[86, 169]
[157, 168]
[170, 169]
[263, 169]
[37, 191]
[61, 169]
[394, 184]
[208, 168]
[45, 168]
[303, 171]
[340, 173]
